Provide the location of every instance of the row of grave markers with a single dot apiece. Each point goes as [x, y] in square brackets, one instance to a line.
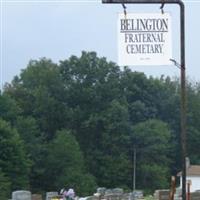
[26, 195]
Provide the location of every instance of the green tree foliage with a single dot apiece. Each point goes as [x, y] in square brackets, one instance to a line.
[65, 163]
[4, 186]
[13, 160]
[151, 141]
[193, 122]
[150, 98]
[99, 114]
[33, 142]
[9, 110]
[40, 93]
[115, 164]
[79, 119]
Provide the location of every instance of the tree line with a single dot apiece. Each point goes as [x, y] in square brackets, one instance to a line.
[77, 124]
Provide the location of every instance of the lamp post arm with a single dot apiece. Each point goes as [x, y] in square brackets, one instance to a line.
[145, 1]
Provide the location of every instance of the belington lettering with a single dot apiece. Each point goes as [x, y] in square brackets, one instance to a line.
[144, 36]
[159, 24]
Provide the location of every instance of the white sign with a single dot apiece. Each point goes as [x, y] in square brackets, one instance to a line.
[144, 39]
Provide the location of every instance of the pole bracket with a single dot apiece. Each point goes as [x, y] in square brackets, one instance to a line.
[124, 7]
[162, 6]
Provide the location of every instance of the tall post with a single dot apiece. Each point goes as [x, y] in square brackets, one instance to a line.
[183, 77]
[134, 168]
[183, 100]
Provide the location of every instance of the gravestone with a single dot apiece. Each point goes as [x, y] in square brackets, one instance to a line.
[21, 195]
[36, 197]
[113, 194]
[127, 196]
[101, 190]
[195, 195]
[137, 194]
[50, 195]
[85, 198]
[118, 191]
[162, 194]
[108, 192]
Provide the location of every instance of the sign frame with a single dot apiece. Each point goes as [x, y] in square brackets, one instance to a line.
[144, 39]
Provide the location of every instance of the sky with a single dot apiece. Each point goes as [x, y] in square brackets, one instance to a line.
[57, 29]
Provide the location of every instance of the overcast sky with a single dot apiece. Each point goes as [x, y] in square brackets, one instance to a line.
[59, 29]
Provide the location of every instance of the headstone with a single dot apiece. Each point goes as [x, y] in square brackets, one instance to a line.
[118, 191]
[161, 194]
[195, 196]
[101, 190]
[108, 192]
[21, 195]
[137, 194]
[36, 197]
[88, 198]
[127, 196]
[50, 195]
[112, 194]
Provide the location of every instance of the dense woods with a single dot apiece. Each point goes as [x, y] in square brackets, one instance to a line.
[77, 123]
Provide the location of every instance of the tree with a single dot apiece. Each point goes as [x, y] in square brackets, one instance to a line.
[101, 110]
[13, 160]
[114, 167]
[193, 130]
[136, 89]
[99, 113]
[9, 110]
[155, 98]
[33, 139]
[151, 140]
[4, 186]
[39, 92]
[64, 165]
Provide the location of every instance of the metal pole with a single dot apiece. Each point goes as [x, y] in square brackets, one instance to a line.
[134, 168]
[183, 79]
[183, 100]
